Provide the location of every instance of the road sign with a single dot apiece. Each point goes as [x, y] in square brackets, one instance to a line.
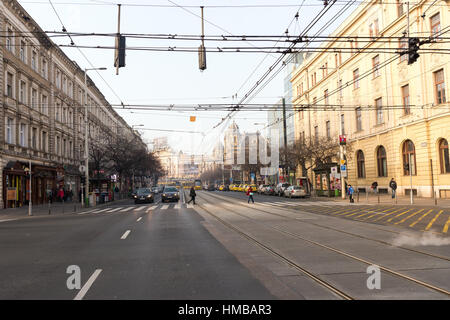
[342, 161]
[343, 167]
[342, 140]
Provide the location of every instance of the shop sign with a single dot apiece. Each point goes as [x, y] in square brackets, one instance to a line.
[11, 194]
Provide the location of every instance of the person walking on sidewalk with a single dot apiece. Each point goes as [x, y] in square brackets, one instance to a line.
[393, 186]
[350, 193]
[375, 186]
[250, 194]
[192, 194]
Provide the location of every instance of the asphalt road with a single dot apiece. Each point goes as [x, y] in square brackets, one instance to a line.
[167, 254]
[224, 248]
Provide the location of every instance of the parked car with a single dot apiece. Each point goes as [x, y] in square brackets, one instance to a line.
[144, 195]
[262, 188]
[279, 190]
[170, 194]
[295, 191]
[269, 190]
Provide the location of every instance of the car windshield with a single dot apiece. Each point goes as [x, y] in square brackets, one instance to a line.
[143, 191]
[297, 188]
[170, 189]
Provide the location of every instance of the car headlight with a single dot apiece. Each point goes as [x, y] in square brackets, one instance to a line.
[163, 194]
[135, 197]
[149, 196]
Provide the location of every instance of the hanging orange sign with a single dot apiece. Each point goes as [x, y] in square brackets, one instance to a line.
[192, 118]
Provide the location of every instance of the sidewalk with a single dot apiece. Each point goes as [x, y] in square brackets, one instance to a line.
[52, 209]
[386, 199]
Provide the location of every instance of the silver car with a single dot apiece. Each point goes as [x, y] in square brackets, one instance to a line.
[295, 191]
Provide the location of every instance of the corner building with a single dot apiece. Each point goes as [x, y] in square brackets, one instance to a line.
[396, 116]
[42, 94]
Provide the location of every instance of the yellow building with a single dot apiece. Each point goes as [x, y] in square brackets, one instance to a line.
[390, 111]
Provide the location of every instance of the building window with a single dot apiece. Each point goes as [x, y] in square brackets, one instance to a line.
[356, 79]
[9, 40]
[70, 149]
[44, 109]
[22, 51]
[409, 158]
[70, 90]
[444, 158]
[361, 165]
[342, 124]
[376, 66]
[22, 135]
[325, 97]
[381, 162]
[44, 141]
[358, 119]
[33, 98]
[57, 146]
[34, 138]
[22, 91]
[403, 47]
[400, 10]
[9, 84]
[440, 86]
[57, 112]
[328, 126]
[379, 110]
[405, 100]
[44, 68]
[9, 130]
[376, 28]
[435, 25]
[33, 60]
[58, 79]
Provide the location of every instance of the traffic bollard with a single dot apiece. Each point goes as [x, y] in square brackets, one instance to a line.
[49, 209]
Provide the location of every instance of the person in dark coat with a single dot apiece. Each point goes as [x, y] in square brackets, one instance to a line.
[393, 186]
[192, 194]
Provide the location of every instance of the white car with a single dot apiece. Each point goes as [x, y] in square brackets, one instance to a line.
[295, 191]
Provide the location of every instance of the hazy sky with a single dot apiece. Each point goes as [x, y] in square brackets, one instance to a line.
[174, 77]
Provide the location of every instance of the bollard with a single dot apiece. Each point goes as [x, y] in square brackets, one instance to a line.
[367, 196]
[357, 199]
[63, 205]
[378, 196]
[74, 207]
[49, 212]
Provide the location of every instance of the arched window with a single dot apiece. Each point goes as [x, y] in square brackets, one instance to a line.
[444, 158]
[361, 165]
[409, 158]
[382, 162]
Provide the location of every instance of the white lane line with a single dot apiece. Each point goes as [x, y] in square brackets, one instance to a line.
[150, 208]
[164, 207]
[139, 219]
[4, 220]
[139, 209]
[114, 210]
[126, 209]
[87, 285]
[125, 235]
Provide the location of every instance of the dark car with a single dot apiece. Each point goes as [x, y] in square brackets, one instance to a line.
[211, 187]
[170, 194]
[144, 195]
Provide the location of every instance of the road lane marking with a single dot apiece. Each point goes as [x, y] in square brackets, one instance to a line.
[4, 220]
[411, 215]
[87, 285]
[139, 209]
[150, 208]
[433, 220]
[113, 210]
[364, 214]
[446, 226]
[377, 212]
[125, 235]
[126, 209]
[399, 215]
[139, 219]
[178, 206]
[389, 214]
[420, 219]
[102, 210]
[164, 207]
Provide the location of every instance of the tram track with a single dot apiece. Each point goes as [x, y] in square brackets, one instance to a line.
[324, 246]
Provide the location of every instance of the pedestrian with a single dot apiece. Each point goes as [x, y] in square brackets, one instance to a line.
[250, 194]
[70, 195]
[350, 193]
[61, 194]
[374, 186]
[393, 186]
[50, 195]
[192, 194]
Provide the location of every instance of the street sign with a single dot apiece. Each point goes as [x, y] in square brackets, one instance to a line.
[342, 140]
[343, 167]
[342, 161]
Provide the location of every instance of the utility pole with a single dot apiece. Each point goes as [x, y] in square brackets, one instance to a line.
[201, 49]
[410, 177]
[30, 213]
[286, 171]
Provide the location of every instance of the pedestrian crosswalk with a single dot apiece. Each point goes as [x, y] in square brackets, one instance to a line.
[140, 208]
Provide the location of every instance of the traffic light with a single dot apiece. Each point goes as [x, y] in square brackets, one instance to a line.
[413, 46]
[119, 59]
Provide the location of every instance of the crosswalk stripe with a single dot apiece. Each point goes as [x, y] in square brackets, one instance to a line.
[126, 209]
[375, 213]
[411, 215]
[151, 208]
[190, 206]
[399, 215]
[178, 206]
[446, 226]
[420, 219]
[387, 215]
[102, 210]
[140, 208]
[113, 210]
[164, 207]
[433, 220]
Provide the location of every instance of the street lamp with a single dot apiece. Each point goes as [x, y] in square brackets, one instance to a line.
[86, 132]
[341, 147]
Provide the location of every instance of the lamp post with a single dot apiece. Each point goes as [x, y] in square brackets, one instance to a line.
[86, 132]
[341, 147]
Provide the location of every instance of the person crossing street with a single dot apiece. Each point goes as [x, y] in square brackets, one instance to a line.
[393, 186]
[250, 194]
[192, 194]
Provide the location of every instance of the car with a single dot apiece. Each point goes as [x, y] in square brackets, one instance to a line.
[221, 187]
[262, 188]
[211, 187]
[279, 190]
[144, 195]
[269, 190]
[170, 194]
[295, 191]
[155, 190]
